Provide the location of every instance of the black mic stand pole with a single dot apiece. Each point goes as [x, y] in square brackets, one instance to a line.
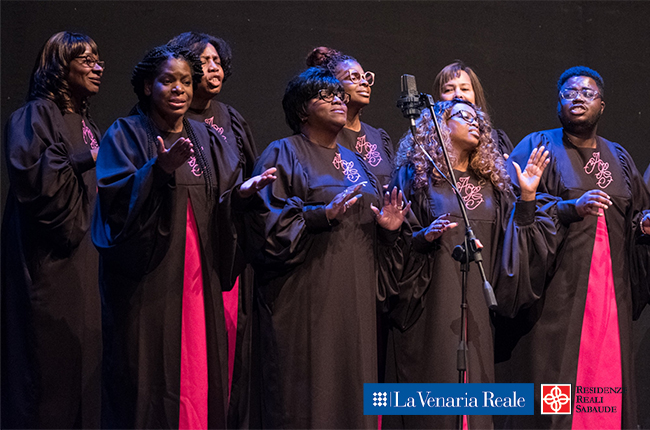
[464, 253]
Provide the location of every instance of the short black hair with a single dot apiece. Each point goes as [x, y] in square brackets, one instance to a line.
[196, 42]
[149, 67]
[303, 88]
[582, 71]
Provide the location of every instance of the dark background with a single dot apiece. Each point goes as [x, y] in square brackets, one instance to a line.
[518, 49]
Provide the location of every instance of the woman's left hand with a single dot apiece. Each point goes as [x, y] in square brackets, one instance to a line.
[529, 179]
[393, 212]
[256, 183]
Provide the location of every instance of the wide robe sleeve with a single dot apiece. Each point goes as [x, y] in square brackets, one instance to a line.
[405, 258]
[46, 176]
[245, 141]
[289, 223]
[527, 251]
[388, 147]
[132, 221]
[639, 243]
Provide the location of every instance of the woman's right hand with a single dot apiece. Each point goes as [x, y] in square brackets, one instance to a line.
[342, 202]
[439, 226]
[171, 159]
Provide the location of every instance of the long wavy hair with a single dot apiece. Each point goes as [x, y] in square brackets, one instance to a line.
[147, 69]
[485, 161]
[49, 78]
[452, 71]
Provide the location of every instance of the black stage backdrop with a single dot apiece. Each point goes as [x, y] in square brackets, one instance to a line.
[519, 49]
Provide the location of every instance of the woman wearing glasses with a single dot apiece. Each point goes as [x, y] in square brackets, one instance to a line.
[51, 319]
[456, 80]
[373, 144]
[425, 318]
[317, 269]
[163, 227]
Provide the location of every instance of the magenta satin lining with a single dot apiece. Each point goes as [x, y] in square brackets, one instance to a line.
[599, 362]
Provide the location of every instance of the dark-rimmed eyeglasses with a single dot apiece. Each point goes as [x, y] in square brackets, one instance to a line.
[355, 77]
[467, 116]
[587, 93]
[328, 95]
[91, 61]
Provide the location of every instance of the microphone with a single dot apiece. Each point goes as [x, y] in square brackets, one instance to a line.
[409, 100]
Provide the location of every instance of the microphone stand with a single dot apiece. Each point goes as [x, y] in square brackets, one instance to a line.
[464, 253]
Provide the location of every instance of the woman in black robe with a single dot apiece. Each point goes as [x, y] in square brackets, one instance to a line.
[458, 81]
[373, 144]
[216, 60]
[163, 227]
[317, 270]
[51, 318]
[425, 312]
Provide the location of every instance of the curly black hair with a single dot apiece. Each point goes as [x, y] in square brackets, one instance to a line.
[149, 67]
[582, 71]
[196, 42]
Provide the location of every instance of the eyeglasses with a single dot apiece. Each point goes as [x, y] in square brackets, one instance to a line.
[587, 93]
[328, 95]
[466, 116]
[91, 61]
[355, 77]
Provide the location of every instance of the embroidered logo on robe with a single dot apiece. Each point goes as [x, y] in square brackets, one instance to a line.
[349, 171]
[196, 169]
[470, 193]
[88, 136]
[368, 151]
[603, 175]
[210, 122]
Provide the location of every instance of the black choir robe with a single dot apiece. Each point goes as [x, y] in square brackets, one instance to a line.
[139, 228]
[317, 288]
[424, 304]
[242, 154]
[504, 145]
[646, 176]
[375, 146]
[51, 317]
[542, 342]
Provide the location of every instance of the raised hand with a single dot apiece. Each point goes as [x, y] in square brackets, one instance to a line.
[529, 179]
[256, 183]
[439, 226]
[171, 159]
[393, 212]
[591, 202]
[342, 201]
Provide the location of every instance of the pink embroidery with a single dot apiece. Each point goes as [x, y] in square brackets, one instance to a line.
[210, 122]
[349, 171]
[196, 169]
[88, 136]
[368, 151]
[603, 175]
[470, 193]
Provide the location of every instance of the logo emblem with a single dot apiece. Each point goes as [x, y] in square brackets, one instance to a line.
[379, 399]
[556, 399]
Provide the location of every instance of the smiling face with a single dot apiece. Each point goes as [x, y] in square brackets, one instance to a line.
[463, 134]
[213, 74]
[580, 115]
[458, 88]
[322, 115]
[170, 93]
[84, 81]
[359, 92]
